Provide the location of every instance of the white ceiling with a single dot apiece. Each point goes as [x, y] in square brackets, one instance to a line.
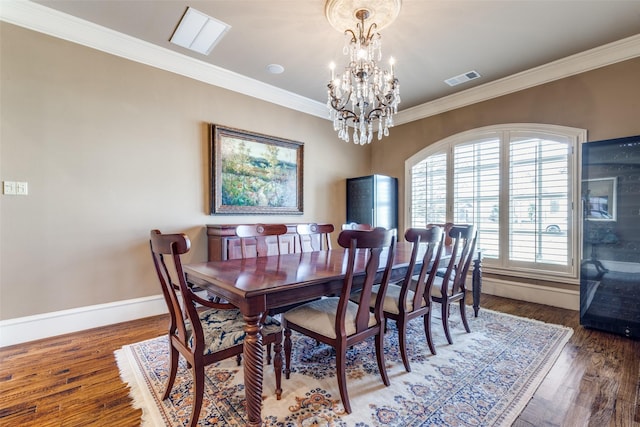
[431, 40]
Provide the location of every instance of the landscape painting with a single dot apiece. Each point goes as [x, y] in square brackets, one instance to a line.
[255, 174]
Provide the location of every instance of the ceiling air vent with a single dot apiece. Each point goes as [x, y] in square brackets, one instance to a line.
[462, 78]
[198, 32]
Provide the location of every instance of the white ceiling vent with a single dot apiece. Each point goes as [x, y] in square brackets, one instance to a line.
[198, 32]
[462, 78]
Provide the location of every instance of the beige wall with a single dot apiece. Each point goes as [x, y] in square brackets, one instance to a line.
[111, 149]
[96, 136]
[605, 101]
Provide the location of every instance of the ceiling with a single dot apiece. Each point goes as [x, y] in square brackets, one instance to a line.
[431, 40]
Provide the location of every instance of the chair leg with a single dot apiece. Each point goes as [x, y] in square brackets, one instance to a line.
[198, 392]
[287, 352]
[174, 356]
[402, 337]
[269, 354]
[463, 314]
[445, 321]
[239, 359]
[277, 366]
[427, 332]
[380, 357]
[342, 377]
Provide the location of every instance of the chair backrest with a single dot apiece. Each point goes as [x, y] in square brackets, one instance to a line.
[429, 242]
[356, 226]
[314, 237]
[463, 245]
[446, 226]
[173, 246]
[258, 234]
[373, 243]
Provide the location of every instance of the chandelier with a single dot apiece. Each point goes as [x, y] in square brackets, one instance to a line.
[363, 97]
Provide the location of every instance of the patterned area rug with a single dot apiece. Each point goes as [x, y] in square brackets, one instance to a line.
[485, 378]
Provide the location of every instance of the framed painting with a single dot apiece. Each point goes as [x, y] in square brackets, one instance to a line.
[599, 196]
[255, 174]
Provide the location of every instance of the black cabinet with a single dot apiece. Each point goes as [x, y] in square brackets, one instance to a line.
[610, 267]
[373, 199]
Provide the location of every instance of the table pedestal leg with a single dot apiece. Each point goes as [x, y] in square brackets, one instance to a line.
[253, 355]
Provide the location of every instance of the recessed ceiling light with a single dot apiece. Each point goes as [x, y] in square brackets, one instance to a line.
[275, 68]
[198, 32]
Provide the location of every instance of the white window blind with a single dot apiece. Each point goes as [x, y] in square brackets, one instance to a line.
[429, 191]
[517, 184]
[476, 176]
[539, 192]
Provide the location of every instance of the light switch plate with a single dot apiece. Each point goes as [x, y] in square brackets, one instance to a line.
[22, 188]
[9, 187]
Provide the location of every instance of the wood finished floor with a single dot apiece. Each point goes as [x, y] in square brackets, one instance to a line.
[73, 380]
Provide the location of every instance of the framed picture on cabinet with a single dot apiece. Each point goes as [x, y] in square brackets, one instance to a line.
[599, 196]
[253, 173]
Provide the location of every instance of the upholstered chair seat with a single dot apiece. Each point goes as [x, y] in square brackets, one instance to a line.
[436, 290]
[320, 317]
[224, 329]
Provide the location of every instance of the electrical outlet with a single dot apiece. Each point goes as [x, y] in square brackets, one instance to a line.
[22, 188]
[9, 187]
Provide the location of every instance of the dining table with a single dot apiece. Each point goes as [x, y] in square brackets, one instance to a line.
[264, 284]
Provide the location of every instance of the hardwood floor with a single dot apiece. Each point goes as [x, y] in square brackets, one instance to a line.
[73, 380]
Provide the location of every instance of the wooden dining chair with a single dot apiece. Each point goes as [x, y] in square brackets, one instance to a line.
[314, 237]
[202, 336]
[411, 298]
[356, 226]
[262, 240]
[450, 287]
[339, 322]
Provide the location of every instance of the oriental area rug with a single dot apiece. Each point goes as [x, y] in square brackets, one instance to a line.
[485, 378]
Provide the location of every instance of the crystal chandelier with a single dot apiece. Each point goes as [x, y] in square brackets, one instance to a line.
[363, 97]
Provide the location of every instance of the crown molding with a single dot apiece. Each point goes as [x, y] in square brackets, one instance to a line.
[608, 54]
[48, 21]
[57, 24]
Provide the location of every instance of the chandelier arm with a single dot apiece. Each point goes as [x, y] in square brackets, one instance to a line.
[378, 112]
[348, 115]
[373, 27]
[336, 101]
[353, 35]
[383, 100]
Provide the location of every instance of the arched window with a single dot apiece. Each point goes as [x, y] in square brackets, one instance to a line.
[516, 182]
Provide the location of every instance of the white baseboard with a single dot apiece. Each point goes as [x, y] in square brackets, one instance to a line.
[555, 297]
[30, 328]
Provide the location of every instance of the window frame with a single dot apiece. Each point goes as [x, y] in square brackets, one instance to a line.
[502, 265]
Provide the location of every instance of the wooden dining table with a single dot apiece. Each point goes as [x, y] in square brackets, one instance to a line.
[258, 285]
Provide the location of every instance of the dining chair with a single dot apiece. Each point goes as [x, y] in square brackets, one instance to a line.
[201, 336]
[356, 226]
[450, 287]
[314, 237]
[339, 322]
[411, 298]
[256, 240]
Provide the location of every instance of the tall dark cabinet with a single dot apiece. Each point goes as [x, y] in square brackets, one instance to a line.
[373, 199]
[610, 265]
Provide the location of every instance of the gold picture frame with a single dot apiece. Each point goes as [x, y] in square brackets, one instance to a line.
[253, 173]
